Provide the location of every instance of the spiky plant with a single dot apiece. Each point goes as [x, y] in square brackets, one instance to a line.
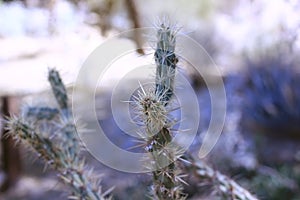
[152, 108]
[51, 132]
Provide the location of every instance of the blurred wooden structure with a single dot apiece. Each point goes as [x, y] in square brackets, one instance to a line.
[11, 158]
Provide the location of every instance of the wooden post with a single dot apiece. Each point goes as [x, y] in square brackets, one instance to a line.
[11, 158]
[134, 16]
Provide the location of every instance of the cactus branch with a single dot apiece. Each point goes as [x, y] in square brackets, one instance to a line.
[59, 146]
[224, 184]
[151, 107]
[166, 61]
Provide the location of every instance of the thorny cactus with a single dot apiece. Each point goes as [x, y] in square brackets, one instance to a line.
[152, 108]
[51, 132]
[272, 96]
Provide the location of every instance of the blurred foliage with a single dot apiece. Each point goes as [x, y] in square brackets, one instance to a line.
[277, 183]
[270, 118]
[272, 96]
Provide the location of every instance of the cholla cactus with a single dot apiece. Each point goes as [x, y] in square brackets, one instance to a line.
[151, 107]
[51, 132]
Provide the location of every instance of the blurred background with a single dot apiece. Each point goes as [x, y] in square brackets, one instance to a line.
[254, 43]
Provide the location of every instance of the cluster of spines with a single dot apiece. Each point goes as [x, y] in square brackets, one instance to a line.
[60, 146]
[149, 111]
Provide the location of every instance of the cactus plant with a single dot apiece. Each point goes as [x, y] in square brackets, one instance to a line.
[224, 185]
[51, 132]
[151, 107]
